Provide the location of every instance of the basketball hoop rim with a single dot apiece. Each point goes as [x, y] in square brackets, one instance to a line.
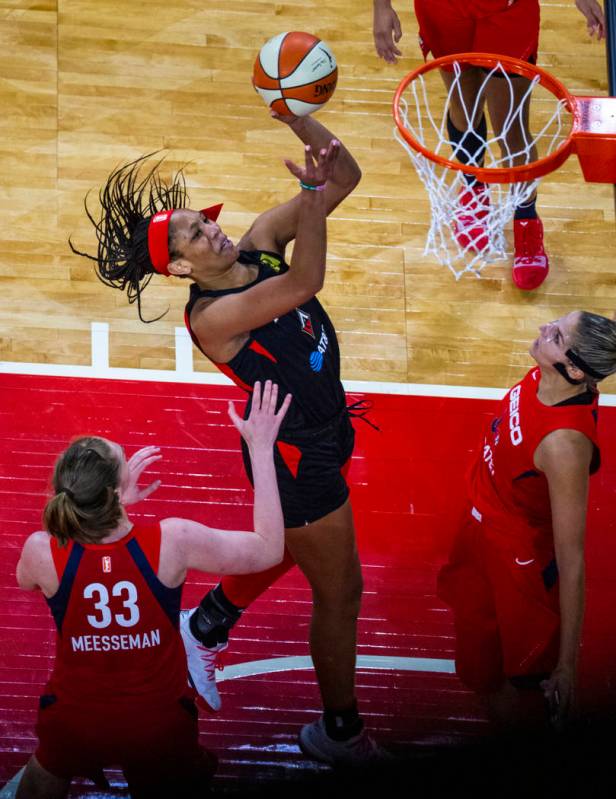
[514, 174]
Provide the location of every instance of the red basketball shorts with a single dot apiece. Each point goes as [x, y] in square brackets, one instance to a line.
[479, 26]
[505, 604]
[156, 745]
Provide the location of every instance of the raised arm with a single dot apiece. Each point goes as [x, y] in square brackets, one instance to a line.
[564, 456]
[274, 229]
[221, 325]
[190, 545]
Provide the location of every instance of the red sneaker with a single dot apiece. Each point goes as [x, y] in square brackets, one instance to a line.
[530, 261]
[469, 227]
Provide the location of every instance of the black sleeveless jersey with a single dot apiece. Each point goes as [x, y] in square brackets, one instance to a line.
[299, 351]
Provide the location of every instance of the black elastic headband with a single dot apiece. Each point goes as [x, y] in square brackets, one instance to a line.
[581, 364]
[562, 370]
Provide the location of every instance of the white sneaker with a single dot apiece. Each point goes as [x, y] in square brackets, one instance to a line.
[201, 664]
[360, 750]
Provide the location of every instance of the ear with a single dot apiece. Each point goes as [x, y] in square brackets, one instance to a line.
[574, 372]
[180, 268]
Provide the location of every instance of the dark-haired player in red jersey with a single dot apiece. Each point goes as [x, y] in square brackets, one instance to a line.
[118, 692]
[505, 27]
[515, 578]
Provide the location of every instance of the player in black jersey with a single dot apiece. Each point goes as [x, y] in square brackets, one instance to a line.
[254, 316]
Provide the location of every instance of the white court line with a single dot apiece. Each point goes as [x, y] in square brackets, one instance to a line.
[273, 665]
[10, 789]
[297, 662]
[184, 373]
[99, 338]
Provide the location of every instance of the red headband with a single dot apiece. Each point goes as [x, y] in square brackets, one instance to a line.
[158, 236]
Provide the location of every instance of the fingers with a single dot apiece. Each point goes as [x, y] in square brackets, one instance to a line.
[333, 150]
[288, 119]
[265, 400]
[142, 460]
[256, 395]
[284, 407]
[149, 490]
[273, 398]
[142, 454]
[386, 48]
[265, 397]
[148, 462]
[233, 415]
[293, 168]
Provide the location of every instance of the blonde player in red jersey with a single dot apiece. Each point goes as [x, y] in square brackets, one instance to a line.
[515, 577]
[118, 692]
[505, 27]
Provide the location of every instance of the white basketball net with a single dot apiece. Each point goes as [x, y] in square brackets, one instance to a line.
[483, 219]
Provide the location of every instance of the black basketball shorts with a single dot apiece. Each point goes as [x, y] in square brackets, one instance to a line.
[310, 468]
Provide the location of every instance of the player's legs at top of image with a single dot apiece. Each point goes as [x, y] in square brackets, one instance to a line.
[493, 26]
[502, 27]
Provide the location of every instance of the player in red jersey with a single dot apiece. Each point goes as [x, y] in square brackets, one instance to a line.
[118, 692]
[505, 27]
[254, 316]
[515, 578]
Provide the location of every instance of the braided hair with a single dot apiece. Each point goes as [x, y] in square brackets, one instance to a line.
[129, 199]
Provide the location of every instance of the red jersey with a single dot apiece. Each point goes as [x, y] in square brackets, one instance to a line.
[470, 8]
[117, 624]
[506, 27]
[506, 488]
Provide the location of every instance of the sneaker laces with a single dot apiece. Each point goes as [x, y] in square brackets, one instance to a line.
[212, 659]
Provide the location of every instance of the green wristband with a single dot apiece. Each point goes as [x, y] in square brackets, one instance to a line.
[320, 187]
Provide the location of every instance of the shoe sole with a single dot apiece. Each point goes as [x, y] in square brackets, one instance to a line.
[313, 753]
[530, 288]
[199, 700]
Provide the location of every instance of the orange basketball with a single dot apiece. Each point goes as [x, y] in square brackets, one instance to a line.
[295, 73]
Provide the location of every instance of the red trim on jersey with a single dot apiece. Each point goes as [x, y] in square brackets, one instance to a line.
[195, 340]
[60, 555]
[260, 349]
[223, 367]
[226, 370]
[291, 455]
[149, 541]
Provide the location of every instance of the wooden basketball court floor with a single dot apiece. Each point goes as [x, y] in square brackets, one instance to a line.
[87, 85]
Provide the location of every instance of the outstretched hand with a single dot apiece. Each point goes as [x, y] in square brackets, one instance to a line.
[316, 171]
[137, 464]
[387, 32]
[595, 19]
[263, 423]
